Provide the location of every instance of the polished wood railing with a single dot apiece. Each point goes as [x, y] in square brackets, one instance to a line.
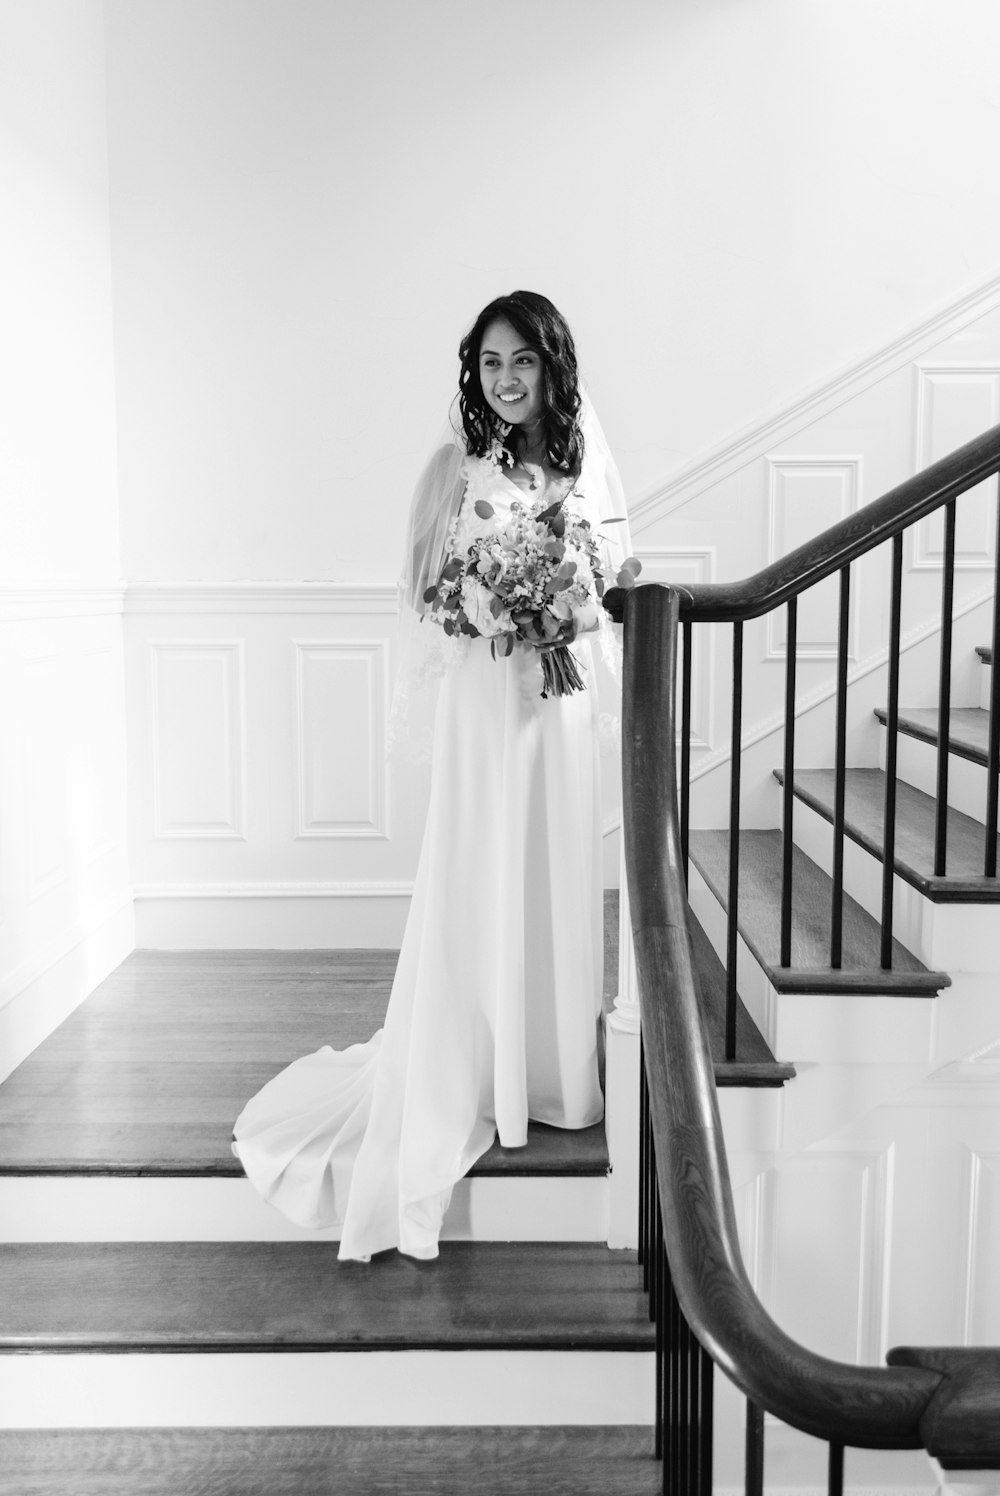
[704, 1306]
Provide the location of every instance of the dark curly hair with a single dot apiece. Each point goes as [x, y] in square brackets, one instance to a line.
[544, 329]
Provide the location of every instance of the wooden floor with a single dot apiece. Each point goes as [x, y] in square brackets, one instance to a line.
[149, 1074]
[557, 1461]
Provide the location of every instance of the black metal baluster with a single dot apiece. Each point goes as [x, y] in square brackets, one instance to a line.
[840, 773]
[683, 1407]
[788, 801]
[672, 1467]
[694, 1417]
[754, 1450]
[734, 841]
[993, 753]
[643, 1125]
[835, 1471]
[891, 737]
[707, 1428]
[944, 694]
[660, 1321]
[686, 632]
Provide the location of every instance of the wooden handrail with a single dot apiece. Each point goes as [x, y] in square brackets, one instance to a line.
[842, 543]
[897, 1406]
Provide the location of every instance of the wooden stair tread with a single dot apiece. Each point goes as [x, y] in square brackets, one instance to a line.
[760, 922]
[985, 653]
[282, 1296]
[511, 1461]
[756, 1065]
[864, 819]
[968, 730]
[148, 1075]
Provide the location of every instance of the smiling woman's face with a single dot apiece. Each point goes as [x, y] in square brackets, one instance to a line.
[511, 375]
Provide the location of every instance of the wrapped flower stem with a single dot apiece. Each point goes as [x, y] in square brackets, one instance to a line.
[560, 672]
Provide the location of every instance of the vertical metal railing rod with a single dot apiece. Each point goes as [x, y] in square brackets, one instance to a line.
[686, 635]
[835, 1471]
[944, 695]
[840, 773]
[993, 752]
[788, 800]
[659, 1320]
[891, 743]
[683, 1402]
[643, 1170]
[754, 1460]
[671, 1464]
[694, 1422]
[707, 1424]
[734, 841]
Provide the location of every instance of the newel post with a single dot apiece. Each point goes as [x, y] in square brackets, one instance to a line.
[621, 1084]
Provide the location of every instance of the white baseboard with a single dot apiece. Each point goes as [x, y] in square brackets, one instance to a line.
[41, 994]
[271, 916]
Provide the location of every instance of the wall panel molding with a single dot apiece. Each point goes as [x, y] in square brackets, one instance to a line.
[60, 600]
[954, 403]
[261, 597]
[683, 565]
[199, 748]
[806, 494]
[982, 1216]
[341, 708]
[861, 1236]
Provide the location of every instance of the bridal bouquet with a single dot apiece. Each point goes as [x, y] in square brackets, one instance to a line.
[537, 579]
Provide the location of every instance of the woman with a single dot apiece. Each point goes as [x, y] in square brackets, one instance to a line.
[495, 1004]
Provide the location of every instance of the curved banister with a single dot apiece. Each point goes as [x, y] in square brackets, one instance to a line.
[874, 1407]
[843, 542]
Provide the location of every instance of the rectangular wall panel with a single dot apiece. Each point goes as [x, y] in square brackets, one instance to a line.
[683, 566]
[956, 402]
[340, 738]
[805, 496]
[98, 761]
[982, 1296]
[198, 739]
[826, 1259]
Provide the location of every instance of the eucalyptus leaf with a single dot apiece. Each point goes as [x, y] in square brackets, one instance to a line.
[484, 509]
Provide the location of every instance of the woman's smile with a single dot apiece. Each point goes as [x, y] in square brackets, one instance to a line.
[511, 375]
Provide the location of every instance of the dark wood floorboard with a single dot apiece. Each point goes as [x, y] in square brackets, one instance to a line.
[557, 1461]
[760, 921]
[864, 812]
[280, 1296]
[149, 1074]
[968, 730]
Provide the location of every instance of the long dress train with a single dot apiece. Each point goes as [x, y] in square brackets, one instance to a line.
[496, 999]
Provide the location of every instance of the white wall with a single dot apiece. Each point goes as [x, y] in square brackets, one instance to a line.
[311, 199]
[65, 905]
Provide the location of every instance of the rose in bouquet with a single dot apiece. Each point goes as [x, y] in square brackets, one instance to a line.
[537, 579]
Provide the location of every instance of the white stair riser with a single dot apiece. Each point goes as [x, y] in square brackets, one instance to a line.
[325, 1388]
[946, 937]
[820, 1027]
[916, 764]
[117, 1208]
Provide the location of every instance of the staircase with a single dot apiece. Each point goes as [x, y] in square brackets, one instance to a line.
[163, 1329]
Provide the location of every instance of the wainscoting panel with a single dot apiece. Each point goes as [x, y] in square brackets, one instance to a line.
[199, 738]
[258, 778]
[341, 708]
[954, 403]
[826, 1250]
[807, 495]
[682, 566]
[982, 1291]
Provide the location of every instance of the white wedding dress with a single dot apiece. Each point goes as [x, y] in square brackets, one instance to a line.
[493, 1016]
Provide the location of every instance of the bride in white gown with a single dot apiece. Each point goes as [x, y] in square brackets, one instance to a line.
[496, 999]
